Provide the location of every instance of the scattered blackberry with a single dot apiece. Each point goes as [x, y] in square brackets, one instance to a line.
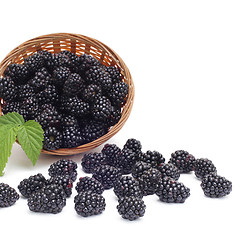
[60, 75]
[111, 151]
[11, 107]
[32, 184]
[134, 145]
[118, 93]
[7, 89]
[73, 85]
[131, 208]
[102, 109]
[74, 60]
[169, 170]
[52, 139]
[64, 181]
[72, 137]
[114, 117]
[51, 199]
[115, 74]
[215, 186]
[86, 184]
[30, 108]
[8, 195]
[55, 61]
[93, 130]
[203, 167]
[127, 186]
[48, 95]
[69, 121]
[154, 158]
[107, 175]
[171, 191]
[183, 161]
[91, 93]
[125, 161]
[24, 92]
[63, 167]
[89, 203]
[34, 62]
[91, 161]
[17, 72]
[87, 61]
[149, 181]
[139, 169]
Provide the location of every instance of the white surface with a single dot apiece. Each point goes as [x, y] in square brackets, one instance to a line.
[190, 64]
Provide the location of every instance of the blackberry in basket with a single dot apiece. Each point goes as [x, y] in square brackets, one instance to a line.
[7, 89]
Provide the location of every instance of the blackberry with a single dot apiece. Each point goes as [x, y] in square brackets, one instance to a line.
[118, 93]
[153, 158]
[64, 181]
[149, 181]
[93, 130]
[111, 151]
[125, 161]
[41, 79]
[52, 139]
[127, 186]
[34, 62]
[131, 208]
[69, 121]
[91, 161]
[17, 72]
[134, 145]
[107, 175]
[60, 75]
[11, 107]
[57, 60]
[86, 184]
[74, 60]
[8, 195]
[73, 85]
[87, 61]
[169, 170]
[47, 56]
[72, 137]
[171, 191]
[24, 92]
[91, 93]
[102, 109]
[7, 89]
[63, 167]
[50, 199]
[114, 117]
[139, 169]
[32, 184]
[115, 74]
[74, 106]
[89, 203]
[183, 161]
[48, 95]
[30, 108]
[203, 167]
[215, 186]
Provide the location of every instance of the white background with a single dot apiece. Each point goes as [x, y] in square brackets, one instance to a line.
[190, 64]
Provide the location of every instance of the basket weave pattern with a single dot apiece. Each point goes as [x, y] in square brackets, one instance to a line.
[77, 44]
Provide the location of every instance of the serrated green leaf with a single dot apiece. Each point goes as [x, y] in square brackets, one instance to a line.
[30, 136]
[12, 119]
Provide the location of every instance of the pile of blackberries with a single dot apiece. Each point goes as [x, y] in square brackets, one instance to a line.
[76, 99]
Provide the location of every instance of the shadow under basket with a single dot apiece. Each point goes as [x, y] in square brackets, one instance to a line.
[77, 44]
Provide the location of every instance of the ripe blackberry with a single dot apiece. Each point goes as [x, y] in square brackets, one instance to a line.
[102, 109]
[41, 79]
[69, 121]
[47, 56]
[74, 60]
[127, 186]
[91, 161]
[91, 93]
[60, 75]
[118, 93]
[34, 62]
[30, 108]
[11, 107]
[215, 186]
[73, 85]
[55, 61]
[17, 72]
[93, 130]
[7, 89]
[32, 184]
[154, 158]
[48, 95]
[52, 139]
[125, 161]
[149, 181]
[111, 151]
[171, 191]
[203, 167]
[87, 61]
[86, 184]
[63, 167]
[114, 117]
[24, 92]
[64, 181]
[50, 199]
[115, 74]
[139, 169]
[72, 137]
[169, 170]
[107, 175]
[89, 203]
[8, 195]
[183, 161]
[134, 145]
[131, 208]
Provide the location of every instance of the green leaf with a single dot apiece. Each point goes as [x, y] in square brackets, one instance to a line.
[12, 119]
[30, 136]
[7, 139]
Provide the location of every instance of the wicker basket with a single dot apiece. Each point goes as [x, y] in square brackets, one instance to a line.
[78, 44]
